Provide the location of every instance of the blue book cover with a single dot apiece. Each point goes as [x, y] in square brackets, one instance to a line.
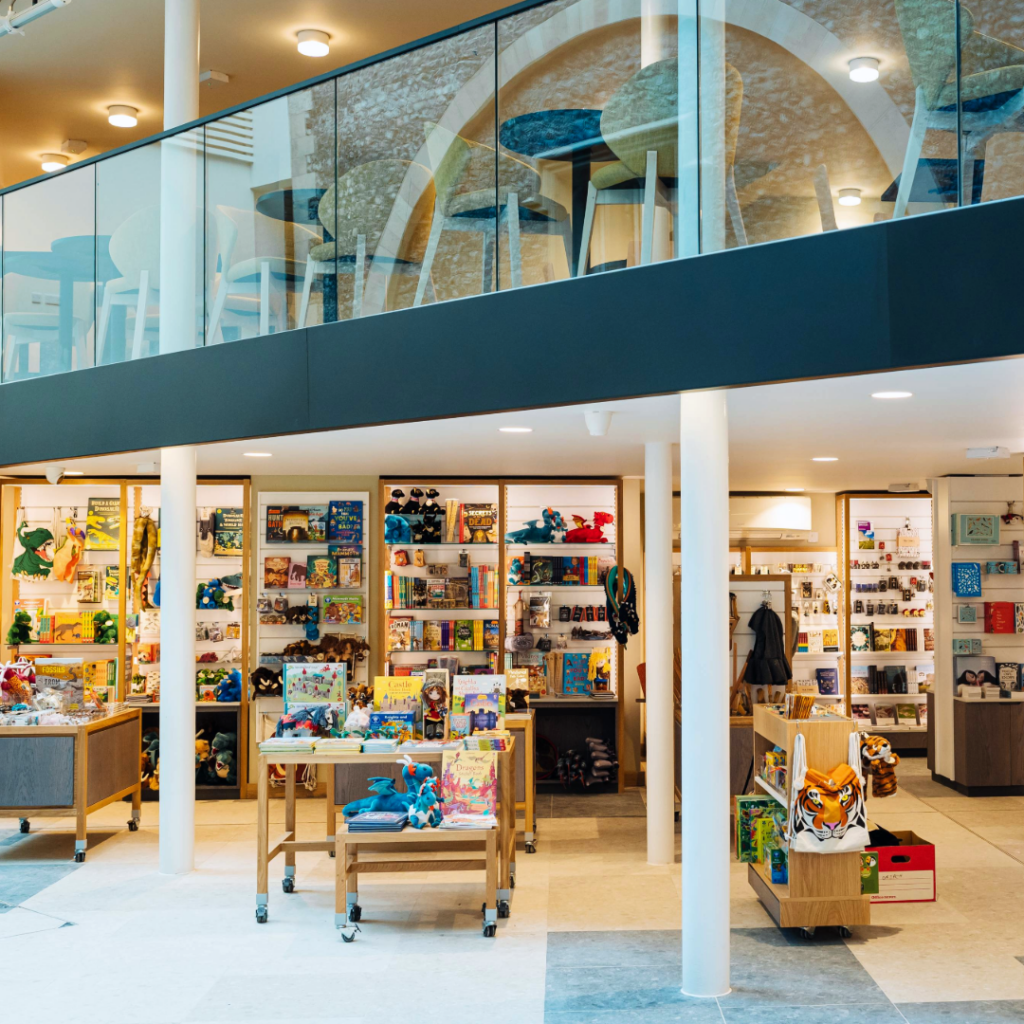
[967, 579]
[828, 681]
[400, 725]
[575, 673]
[345, 522]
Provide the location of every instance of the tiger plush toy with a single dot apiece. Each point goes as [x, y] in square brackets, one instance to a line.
[879, 762]
[828, 806]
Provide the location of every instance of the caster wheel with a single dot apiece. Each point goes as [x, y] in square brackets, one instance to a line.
[355, 912]
[844, 932]
[24, 826]
[80, 856]
[348, 936]
[490, 930]
[531, 847]
[504, 910]
[288, 884]
[806, 933]
[261, 915]
[133, 826]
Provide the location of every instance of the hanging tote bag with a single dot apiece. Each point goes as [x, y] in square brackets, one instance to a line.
[827, 812]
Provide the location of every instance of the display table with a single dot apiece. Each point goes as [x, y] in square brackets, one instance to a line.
[267, 848]
[412, 850]
[57, 771]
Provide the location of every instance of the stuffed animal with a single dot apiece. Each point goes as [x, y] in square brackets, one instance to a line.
[360, 695]
[68, 553]
[212, 595]
[202, 756]
[531, 533]
[431, 504]
[519, 700]
[17, 682]
[413, 775]
[394, 506]
[144, 550]
[224, 767]
[150, 752]
[385, 798]
[332, 647]
[21, 629]
[357, 722]
[425, 810]
[397, 530]
[584, 534]
[879, 762]
[36, 561]
[223, 741]
[412, 506]
[431, 519]
[266, 682]
[312, 618]
[104, 627]
[230, 687]
[435, 708]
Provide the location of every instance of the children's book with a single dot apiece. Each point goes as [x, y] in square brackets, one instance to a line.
[828, 681]
[399, 725]
[345, 522]
[297, 576]
[479, 524]
[275, 524]
[469, 782]
[464, 635]
[432, 635]
[860, 638]
[576, 673]
[342, 609]
[228, 526]
[87, 586]
[316, 516]
[860, 678]
[321, 572]
[399, 630]
[517, 678]
[275, 572]
[349, 558]
[315, 683]
[111, 582]
[397, 694]
[490, 634]
[295, 525]
[103, 524]
[815, 643]
[478, 703]
[830, 640]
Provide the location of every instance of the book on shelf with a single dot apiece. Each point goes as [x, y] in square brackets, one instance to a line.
[87, 586]
[342, 609]
[297, 576]
[275, 572]
[392, 725]
[274, 533]
[111, 582]
[827, 680]
[478, 523]
[349, 559]
[345, 522]
[316, 530]
[830, 641]
[103, 524]
[576, 674]
[321, 572]
[860, 638]
[228, 531]
[1000, 617]
[294, 525]
[860, 678]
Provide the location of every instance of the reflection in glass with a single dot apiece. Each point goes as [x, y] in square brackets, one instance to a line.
[49, 267]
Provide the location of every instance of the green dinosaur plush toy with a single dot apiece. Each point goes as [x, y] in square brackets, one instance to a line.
[104, 628]
[21, 629]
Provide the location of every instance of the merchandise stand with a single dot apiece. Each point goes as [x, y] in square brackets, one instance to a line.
[526, 774]
[289, 845]
[58, 771]
[823, 889]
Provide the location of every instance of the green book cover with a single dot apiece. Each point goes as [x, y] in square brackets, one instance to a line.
[464, 635]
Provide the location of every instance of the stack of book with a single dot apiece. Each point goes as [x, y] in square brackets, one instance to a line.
[287, 745]
[460, 822]
[427, 746]
[380, 745]
[327, 744]
[491, 739]
[378, 821]
[135, 699]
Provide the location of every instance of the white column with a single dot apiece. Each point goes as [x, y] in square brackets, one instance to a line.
[704, 608]
[658, 648]
[180, 173]
[177, 659]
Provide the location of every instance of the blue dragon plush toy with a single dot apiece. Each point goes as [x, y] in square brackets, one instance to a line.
[388, 798]
[426, 811]
[531, 533]
[397, 530]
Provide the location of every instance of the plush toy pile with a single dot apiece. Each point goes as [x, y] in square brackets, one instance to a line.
[598, 764]
[387, 798]
[218, 593]
[266, 682]
[216, 760]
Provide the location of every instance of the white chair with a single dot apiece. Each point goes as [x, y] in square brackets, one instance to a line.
[26, 334]
[464, 172]
[991, 86]
[257, 256]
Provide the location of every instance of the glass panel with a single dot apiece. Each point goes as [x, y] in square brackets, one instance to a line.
[49, 265]
[823, 114]
[415, 195]
[588, 129]
[992, 98]
[267, 171]
[133, 295]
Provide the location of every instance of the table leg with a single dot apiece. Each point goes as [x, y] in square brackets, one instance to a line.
[580, 184]
[262, 839]
[332, 807]
[506, 823]
[491, 894]
[340, 880]
[137, 803]
[289, 818]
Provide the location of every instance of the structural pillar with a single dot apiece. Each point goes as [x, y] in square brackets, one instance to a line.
[704, 608]
[658, 650]
[181, 196]
[177, 659]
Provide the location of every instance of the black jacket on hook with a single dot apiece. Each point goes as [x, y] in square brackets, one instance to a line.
[767, 663]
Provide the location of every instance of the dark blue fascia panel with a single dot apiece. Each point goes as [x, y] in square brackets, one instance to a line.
[924, 291]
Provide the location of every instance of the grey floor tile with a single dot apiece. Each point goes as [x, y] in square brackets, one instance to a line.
[865, 1013]
[542, 805]
[995, 1011]
[704, 1012]
[598, 805]
[19, 882]
[640, 949]
[583, 989]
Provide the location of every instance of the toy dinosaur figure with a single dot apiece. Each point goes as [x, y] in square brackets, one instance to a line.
[425, 810]
[36, 561]
[531, 533]
[584, 534]
[68, 555]
[386, 798]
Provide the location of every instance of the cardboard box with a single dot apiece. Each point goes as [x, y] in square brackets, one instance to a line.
[906, 873]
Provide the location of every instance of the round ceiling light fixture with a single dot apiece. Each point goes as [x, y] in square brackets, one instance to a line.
[892, 394]
[849, 197]
[53, 161]
[314, 43]
[794, 490]
[825, 458]
[864, 69]
[257, 455]
[515, 430]
[122, 116]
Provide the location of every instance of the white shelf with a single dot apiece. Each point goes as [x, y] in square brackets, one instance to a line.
[777, 794]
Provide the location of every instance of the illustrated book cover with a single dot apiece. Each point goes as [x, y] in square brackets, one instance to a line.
[469, 782]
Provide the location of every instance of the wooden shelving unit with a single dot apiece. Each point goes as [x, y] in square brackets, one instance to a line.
[823, 889]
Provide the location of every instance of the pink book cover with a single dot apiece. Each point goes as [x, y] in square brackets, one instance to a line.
[469, 783]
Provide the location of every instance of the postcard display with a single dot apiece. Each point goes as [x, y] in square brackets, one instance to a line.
[887, 613]
[221, 636]
[63, 553]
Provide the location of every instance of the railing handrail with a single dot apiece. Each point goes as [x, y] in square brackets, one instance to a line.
[288, 90]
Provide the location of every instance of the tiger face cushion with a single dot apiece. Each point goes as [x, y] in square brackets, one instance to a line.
[827, 807]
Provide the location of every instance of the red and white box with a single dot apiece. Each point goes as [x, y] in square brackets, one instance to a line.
[906, 873]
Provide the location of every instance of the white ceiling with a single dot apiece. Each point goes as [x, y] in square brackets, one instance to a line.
[775, 431]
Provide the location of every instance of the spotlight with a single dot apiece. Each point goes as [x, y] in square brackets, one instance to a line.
[53, 161]
[849, 197]
[121, 116]
[314, 43]
[864, 69]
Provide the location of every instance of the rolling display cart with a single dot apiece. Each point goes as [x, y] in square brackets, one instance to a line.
[526, 775]
[823, 889]
[59, 771]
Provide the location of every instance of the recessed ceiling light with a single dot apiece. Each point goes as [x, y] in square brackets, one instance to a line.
[794, 490]
[849, 197]
[515, 430]
[54, 161]
[864, 69]
[122, 116]
[825, 458]
[892, 394]
[314, 43]
[257, 455]
[73, 472]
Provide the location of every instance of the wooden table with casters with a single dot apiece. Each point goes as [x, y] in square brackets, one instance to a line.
[287, 843]
[59, 771]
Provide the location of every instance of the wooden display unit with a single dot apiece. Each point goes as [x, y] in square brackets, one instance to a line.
[526, 773]
[61, 771]
[823, 889]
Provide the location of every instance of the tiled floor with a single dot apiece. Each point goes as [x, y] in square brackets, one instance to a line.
[593, 936]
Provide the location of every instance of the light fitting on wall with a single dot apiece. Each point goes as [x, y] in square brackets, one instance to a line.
[53, 161]
[314, 43]
[892, 394]
[598, 421]
[122, 116]
[515, 430]
[864, 69]
[849, 197]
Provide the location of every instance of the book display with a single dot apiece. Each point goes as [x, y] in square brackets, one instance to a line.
[887, 613]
